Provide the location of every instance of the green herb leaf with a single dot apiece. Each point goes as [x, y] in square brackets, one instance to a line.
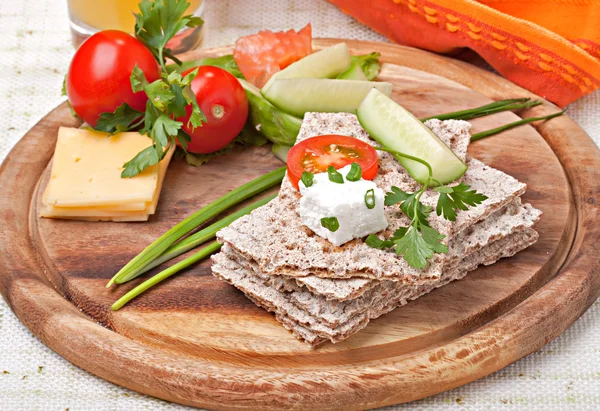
[307, 178]
[370, 199]
[415, 250]
[145, 158]
[355, 173]
[163, 128]
[433, 238]
[395, 196]
[334, 175]
[456, 198]
[330, 223]
[158, 21]
[138, 79]
[123, 119]
[197, 117]
[63, 92]
[160, 94]
[375, 242]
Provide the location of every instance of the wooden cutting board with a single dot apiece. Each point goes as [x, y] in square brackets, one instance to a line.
[198, 341]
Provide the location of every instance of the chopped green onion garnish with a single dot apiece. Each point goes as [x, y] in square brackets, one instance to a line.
[355, 173]
[330, 223]
[307, 178]
[370, 199]
[375, 242]
[334, 176]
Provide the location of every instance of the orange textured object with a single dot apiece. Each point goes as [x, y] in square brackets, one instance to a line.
[551, 48]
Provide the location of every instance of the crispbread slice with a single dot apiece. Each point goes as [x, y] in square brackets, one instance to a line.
[514, 216]
[310, 329]
[276, 239]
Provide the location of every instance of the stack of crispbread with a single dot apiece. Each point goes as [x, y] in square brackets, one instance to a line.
[322, 292]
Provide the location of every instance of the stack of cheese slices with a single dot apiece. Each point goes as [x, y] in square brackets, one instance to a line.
[85, 181]
[322, 292]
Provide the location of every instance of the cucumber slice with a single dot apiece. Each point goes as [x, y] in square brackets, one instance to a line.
[394, 127]
[354, 72]
[327, 63]
[301, 95]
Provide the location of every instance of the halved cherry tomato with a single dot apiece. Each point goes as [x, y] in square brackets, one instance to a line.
[316, 154]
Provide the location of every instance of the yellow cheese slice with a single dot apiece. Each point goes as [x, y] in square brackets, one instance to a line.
[86, 170]
[113, 212]
[141, 217]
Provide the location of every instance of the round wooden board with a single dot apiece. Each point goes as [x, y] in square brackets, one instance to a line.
[198, 341]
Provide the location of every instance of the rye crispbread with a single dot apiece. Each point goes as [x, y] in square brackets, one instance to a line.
[511, 219]
[313, 331]
[514, 216]
[276, 239]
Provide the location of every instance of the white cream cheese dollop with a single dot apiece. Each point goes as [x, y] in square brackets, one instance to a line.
[346, 202]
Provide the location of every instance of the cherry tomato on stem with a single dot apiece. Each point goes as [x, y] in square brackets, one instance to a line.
[316, 154]
[98, 80]
[223, 101]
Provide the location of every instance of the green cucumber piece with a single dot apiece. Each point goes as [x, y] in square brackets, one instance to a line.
[274, 124]
[395, 128]
[301, 95]
[354, 72]
[327, 63]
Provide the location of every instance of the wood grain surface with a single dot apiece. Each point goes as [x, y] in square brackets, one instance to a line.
[198, 341]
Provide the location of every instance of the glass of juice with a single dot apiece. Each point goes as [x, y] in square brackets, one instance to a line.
[89, 16]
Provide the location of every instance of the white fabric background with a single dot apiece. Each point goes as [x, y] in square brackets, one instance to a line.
[36, 50]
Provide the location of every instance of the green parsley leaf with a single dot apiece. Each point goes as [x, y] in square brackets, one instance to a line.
[163, 128]
[415, 250]
[307, 178]
[407, 206]
[355, 173]
[375, 242]
[138, 79]
[330, 223]
[63, 92]
[334, 175]
[197, 117]
[370, 199]
[158, 21]
[145, 158]
[456, 198]
[160, 94]
[123, 119]
[395, 196]
[433, 238]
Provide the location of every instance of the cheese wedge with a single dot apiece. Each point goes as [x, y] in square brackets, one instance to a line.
[103, 196]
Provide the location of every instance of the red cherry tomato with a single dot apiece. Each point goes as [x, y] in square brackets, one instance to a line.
[98, 78]
[316, 154]
[223, 101]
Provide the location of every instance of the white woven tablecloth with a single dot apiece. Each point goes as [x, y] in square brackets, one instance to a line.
[36, 49]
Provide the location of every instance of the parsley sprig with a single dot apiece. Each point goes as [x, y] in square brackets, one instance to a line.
[168, 97]
[418, 242]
